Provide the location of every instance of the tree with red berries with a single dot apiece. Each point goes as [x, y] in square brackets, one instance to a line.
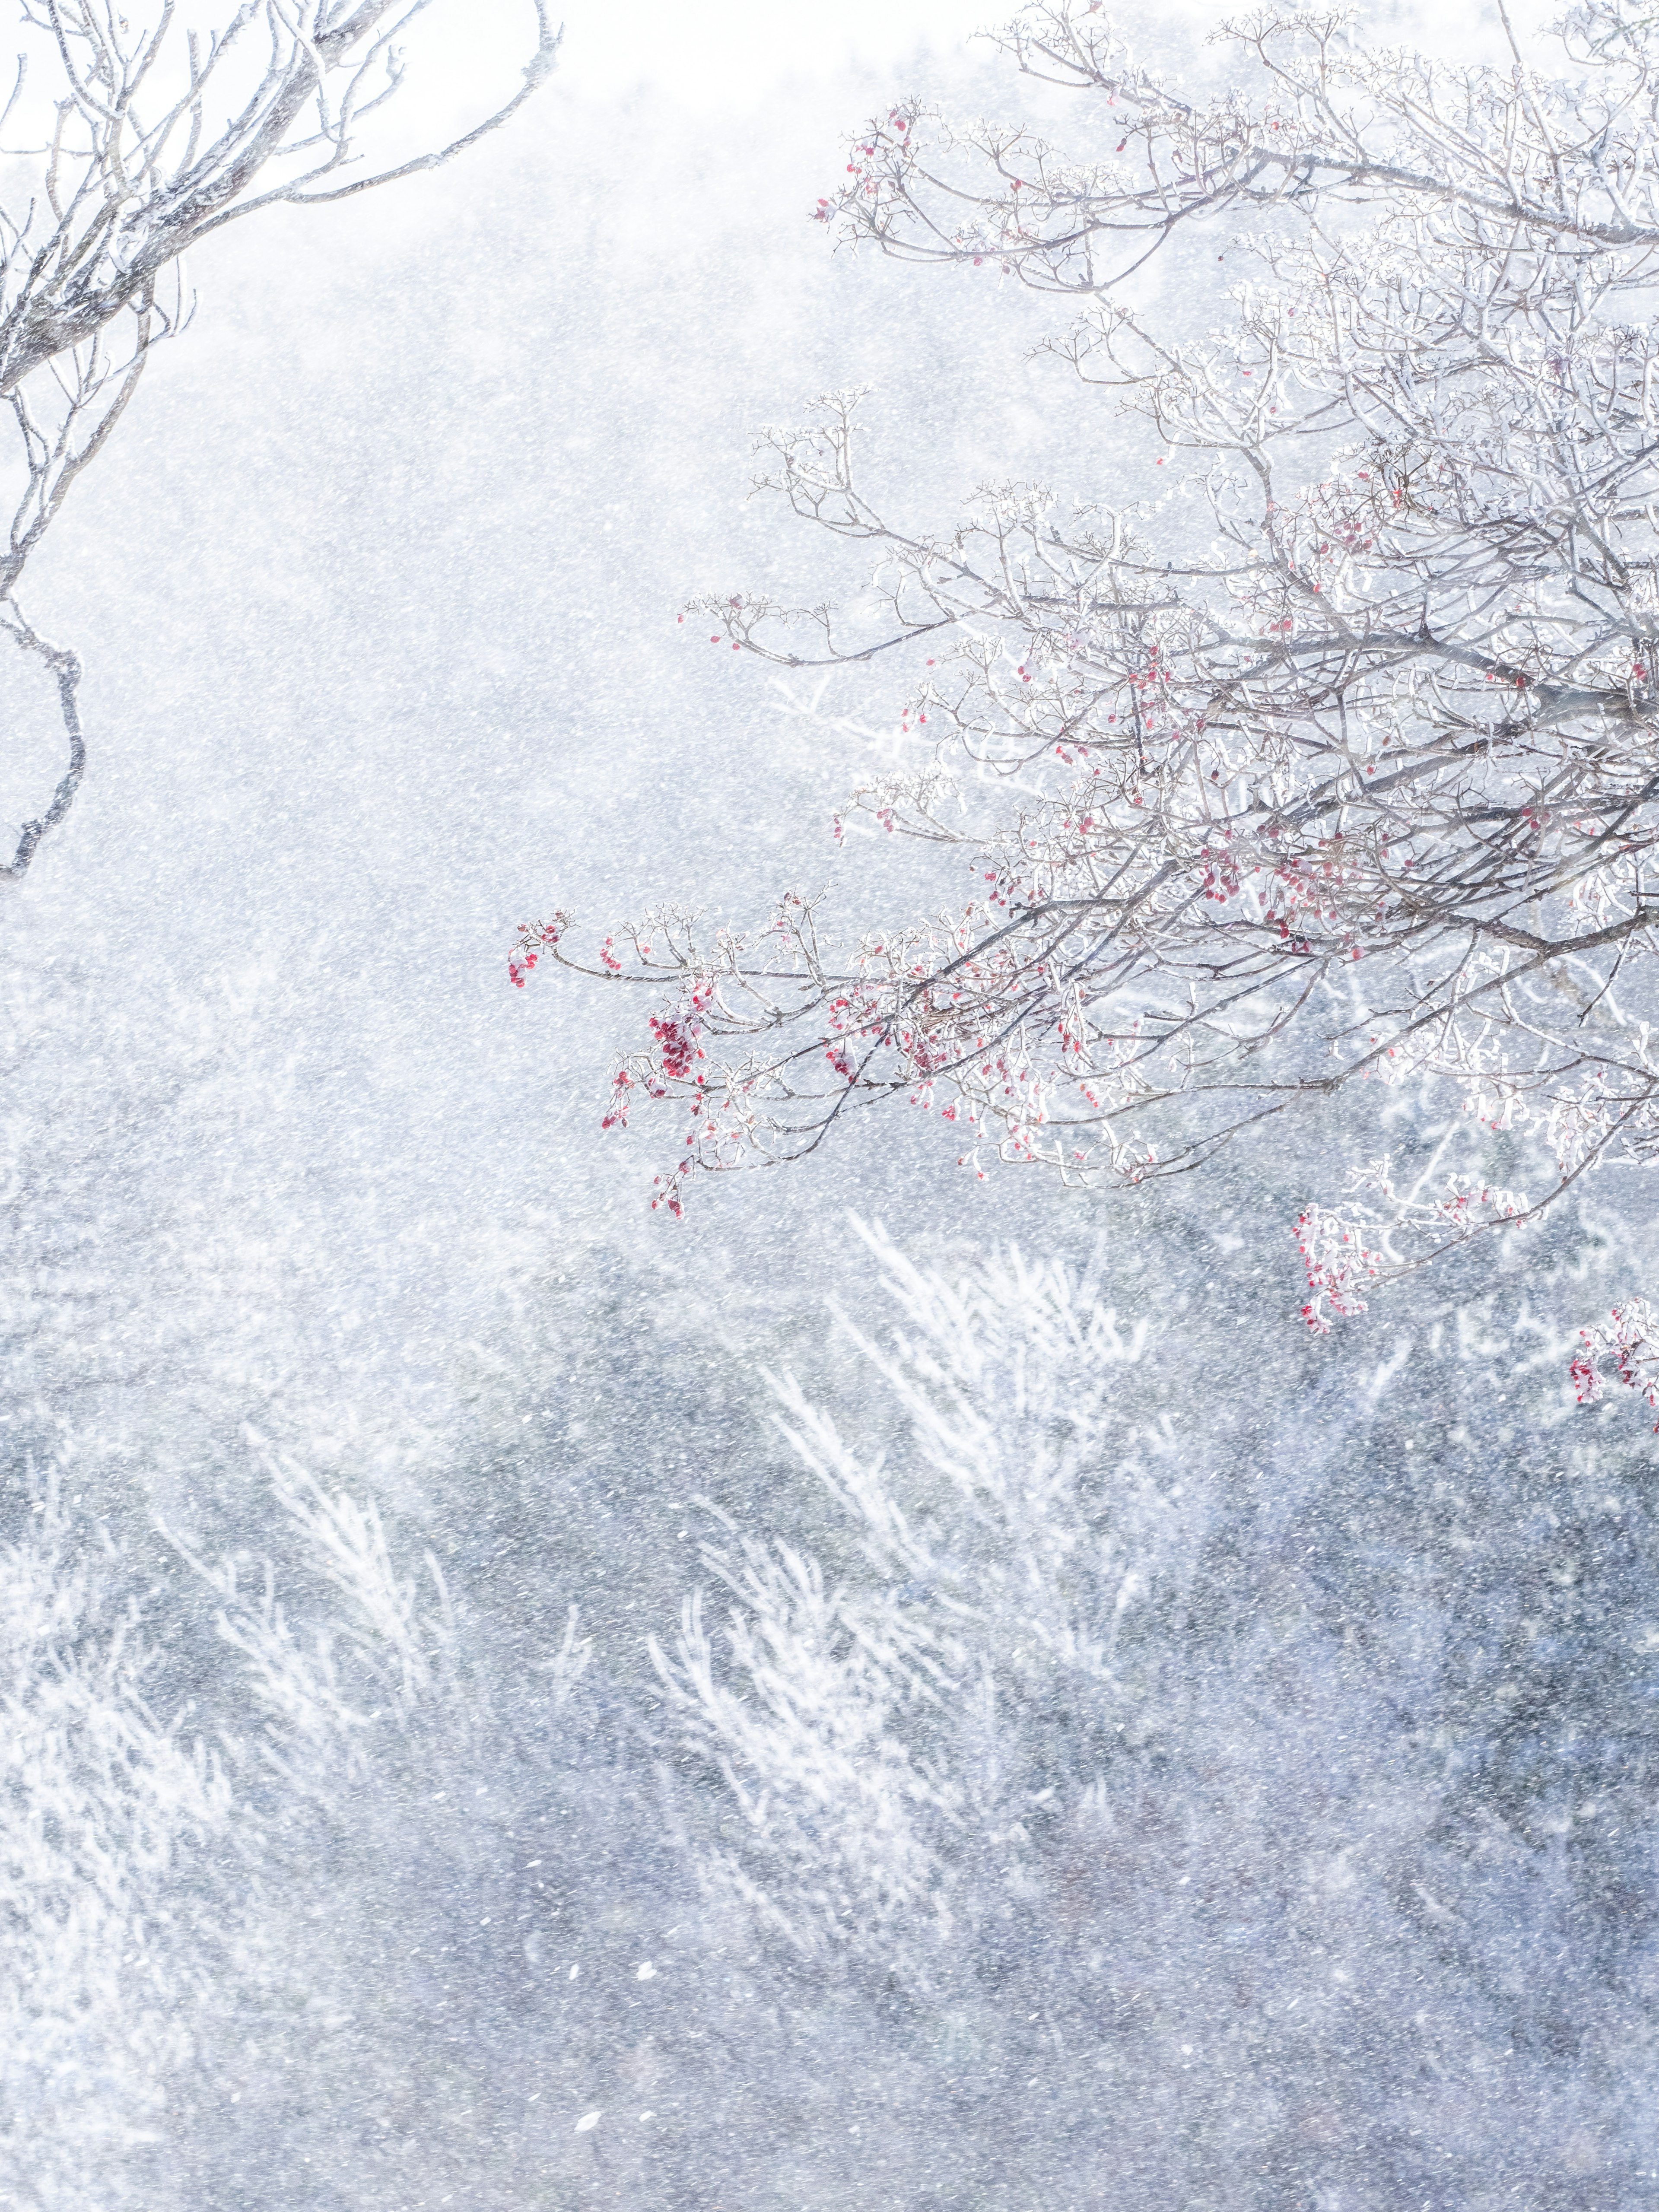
[1333, 759]
[145, 138]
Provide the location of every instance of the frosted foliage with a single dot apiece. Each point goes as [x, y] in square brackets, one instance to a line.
[137, 1858]
[870, 1725]
[375, 1657]
[1055, 1782]
[102, 1803]
[1309, 745]
[1048, 1747]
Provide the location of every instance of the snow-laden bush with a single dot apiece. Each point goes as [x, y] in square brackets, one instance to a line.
[1235, 1840]
[104, 1805]
[880, 1729]
[1101, 1791]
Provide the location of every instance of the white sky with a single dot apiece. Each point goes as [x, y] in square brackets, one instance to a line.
[727, 54]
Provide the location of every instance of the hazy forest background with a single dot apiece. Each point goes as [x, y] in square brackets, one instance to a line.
[1235, 1790]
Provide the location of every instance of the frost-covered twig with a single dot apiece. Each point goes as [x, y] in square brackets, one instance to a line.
[1624, 1348]
[146, 137]
[1319, 748]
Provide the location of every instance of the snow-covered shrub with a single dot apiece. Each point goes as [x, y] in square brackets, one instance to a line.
[1137, 1763]
[882, 1729]
[1223, 1833]
[105, 1806]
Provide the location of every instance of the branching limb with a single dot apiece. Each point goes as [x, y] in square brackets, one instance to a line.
[1329, 760]
[135, 172]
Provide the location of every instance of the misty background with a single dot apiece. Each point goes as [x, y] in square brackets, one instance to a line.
[1239, 1793]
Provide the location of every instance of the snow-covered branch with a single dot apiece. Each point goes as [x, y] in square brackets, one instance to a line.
[144, 137]
[1329, 757]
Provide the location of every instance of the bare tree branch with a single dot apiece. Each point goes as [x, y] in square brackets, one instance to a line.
[134, 173]
[1338, 761]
